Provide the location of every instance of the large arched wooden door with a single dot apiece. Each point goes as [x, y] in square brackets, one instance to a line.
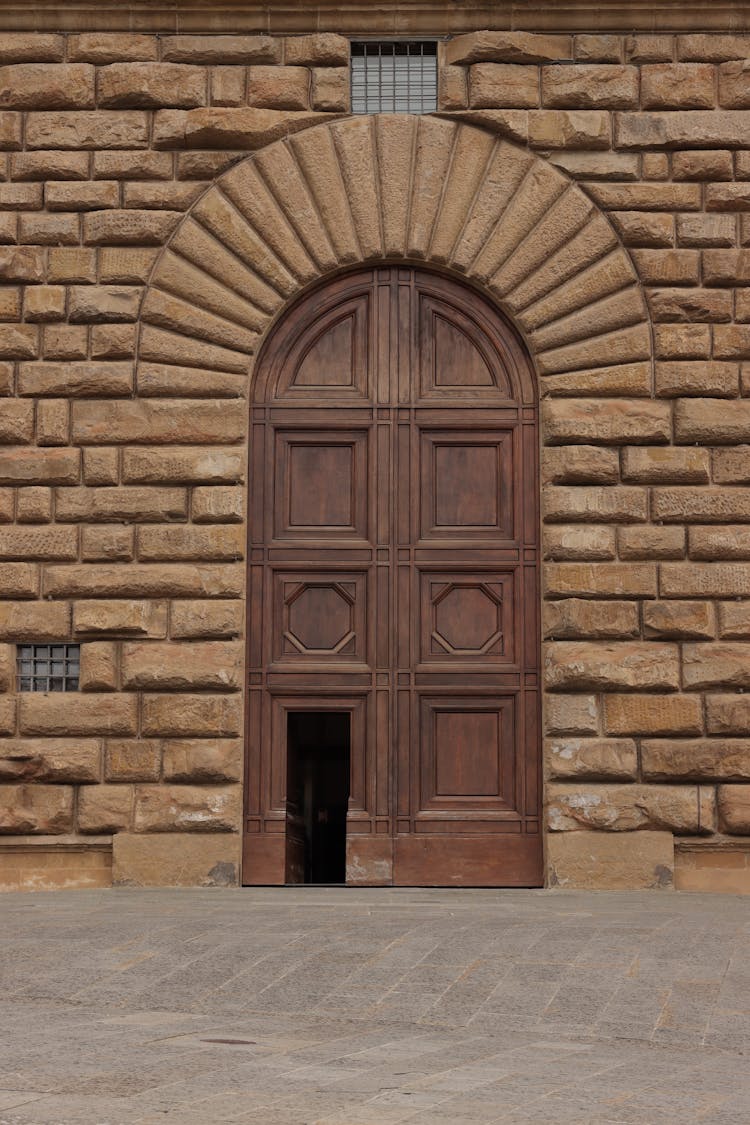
[393, 576]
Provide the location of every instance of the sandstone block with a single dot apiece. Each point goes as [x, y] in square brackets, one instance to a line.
[92, 195]
[734, 809]
[107, 544]
[221, 49]
[723, 664]
[712, 580]
[93, 304]
[33, 621]
[49, 229]
[191, 543]
[651, 542]
[695, 759]
[151, 85]
[578, 542]
[228, 85]
[161, 422]
[107, 47]
[599, 860]
[16, 423]
[506, 85]
[590, 87]
[120, 618]
[726, 267]
[712, 48]
[728, 714]
[10, 131]
[55, 716]
[212, 665]
[181, 808]
[217, 505]
[181, 465]
[600, 580]
[591, 758]
[580, 464]
[571, 714]
[578, 129]
[586, 666]
[110, 341]
[19, 580]
[23, 46]
[44, 303]
[728, 197]
[68, 264]
[242, 128]
[678, 379]
[668, 267]
[145, 580]
[21, 197]
[27, 809]
[598, 48]
[677, 86]
[132, 759]
[647, 196]
[321, 49]
[124, 266]
[38, 543]
[679, 620]
[652, 715]
[712, 421]
[713, 164]
[192, 716]
[39, 86]
[100, 466]
[58, 760]
[22, 263]
[105, 808]
[191, 620]
[278, 87]
[654, 465]
[112, 504]
[731, 341]
[98, 666]
[596, 165]
[683, 306]
[606, 423]
[686, 809]
[329, 89]
[708, 129]
[643, 228]
[731, 466]
[168, 197]
[203, 760]
[75, 380]
[734, 620]
[34, 505]
[65, 341]
[87, 130]
[507, 46]
[18, 341]
[734, 84]
[605, 505]
[715, 504]
[34, 466]
[122, 228]
[129, 165]
[575, 618]
[176, 859]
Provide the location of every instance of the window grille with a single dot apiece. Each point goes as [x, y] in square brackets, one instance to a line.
[394, 77]
[48, 667]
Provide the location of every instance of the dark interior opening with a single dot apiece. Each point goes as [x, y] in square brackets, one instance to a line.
[318, 744]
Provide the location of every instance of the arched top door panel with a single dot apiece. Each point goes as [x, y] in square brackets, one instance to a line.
[329, 346]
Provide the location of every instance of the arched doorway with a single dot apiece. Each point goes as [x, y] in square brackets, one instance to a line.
[393, 653]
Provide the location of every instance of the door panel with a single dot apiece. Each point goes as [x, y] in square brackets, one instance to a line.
[393, 574]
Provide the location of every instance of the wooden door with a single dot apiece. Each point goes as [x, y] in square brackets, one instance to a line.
[393, 575]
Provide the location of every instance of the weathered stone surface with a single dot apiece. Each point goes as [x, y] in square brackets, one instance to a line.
[191, 543]
[190, 620]
[322, 49]
[120, 618]
[507, 46]
[151, 85]
[598, 860]
[111, 504]
[278, 87]
[161, 422]
[35, 466]
[680, 580]
[652, 715]
[50, 759]
[696, 379]
[39, 86]
[592, 758]
[695, 759]
[590, 420]
[222, 48]
[712, 421]
[651, 542]
[687, 809]
[75, 380]
[202, 760]
[193, 716]
[87, 130]
[734, 809]
[98, 671]
[493, 85]
[105, 808]
[706, 666]
[245, 128]
[180, 808]
[590, 87]
[217, 505]
[714, 504]
[578, 542]
[149, 580]
[599, 580]
[122, 228]
[679, 620]
[734, 620]
[677, 86]
[53, 716]
[212, 665]
[605, 505]
[175, 860]
[180, 465]
[709, 129]
[33, 621]
[579, 129]
[581, 666]
[38, 543]
[132, 759]
[648, 465]
[699, 165]
[107, 47]
[46, 809]
[580, 464]
[575, 618]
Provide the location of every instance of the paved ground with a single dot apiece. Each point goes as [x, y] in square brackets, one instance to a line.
[349, 1007]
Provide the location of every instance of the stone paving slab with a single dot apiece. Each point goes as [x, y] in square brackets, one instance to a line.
[335, 1006]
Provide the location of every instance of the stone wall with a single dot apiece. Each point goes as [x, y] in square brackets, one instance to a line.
[123, 490]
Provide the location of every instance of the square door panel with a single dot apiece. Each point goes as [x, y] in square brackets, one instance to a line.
[467, 617]
[467, 754]
[321, 484]
[467, 480]
[319, 616]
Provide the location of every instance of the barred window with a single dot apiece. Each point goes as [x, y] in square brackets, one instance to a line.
[396, 76]
[48, 667]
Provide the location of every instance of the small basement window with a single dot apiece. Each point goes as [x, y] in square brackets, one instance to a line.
[394, 76]
[48, 667]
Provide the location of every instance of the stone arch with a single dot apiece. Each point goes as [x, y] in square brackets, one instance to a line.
[396, 187]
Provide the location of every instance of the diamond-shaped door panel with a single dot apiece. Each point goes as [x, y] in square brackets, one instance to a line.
[319, 616]
[467, 617]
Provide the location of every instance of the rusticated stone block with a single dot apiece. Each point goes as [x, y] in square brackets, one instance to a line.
[700, 505]
[217, 505]
[191, 543]
[728, 197]
[203, 760]
[98, 670]
[647, 196]
[44, 303]
[578, 129]
[241, 128]
[712, 48]
[329, 89]
[720, 543]
[132, 759]
[691, 580]
[321, 49]
[580, 464]
[162, 422]
[100, 466]
[108, 47]
[712, 421]
[652, 715]
[126, 265]
[695, 759]
[16, 423]
[103, 303]
[590, 87]
[278, 87]
[598, 48]
[696, 164]
[123, 228]
[18, 341]
[67, 264]
[107, 544]
[22, 263]
[690, 379]
[111, 504]
[35, 466]
[39, 86]
[644, 228]
[648, 465]
[706, 666]
[677, 86]
[728, 714]
[222, 48]
[65, 341]
[726, 267]
[734, 620]
[74, 196]
[191, 620]
[686, 809]
[7, 714]
[592, 758]
[734, 84]
[213, 665]
[187, 808]
[52, 715]
[120, 618]
[110, 341]
[87, 130]
[606, 423]
[586, 666]
[75, 380]
[507, 46]
[571, 714]
[731, 466]
[668, 267]
[734, 809]
[34, 505]
[144, 580]
[59, 760]
[176, 859]
[228, 85]
[151, 85]
[31, 46]
[679, 620]
[598, 860]
[105, 808]
[731, 341]
[129, 165]
[27, 809]
[180, 465]
[19, 580]
[34, 621]
[578, 542]
[682, 306]
[197, 716]
[574, 618]
[600, 580]
[504, 85]
[605, 505]
[38, 543]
